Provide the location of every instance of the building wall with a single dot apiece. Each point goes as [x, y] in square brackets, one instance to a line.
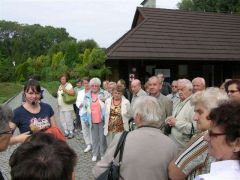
[214, 72]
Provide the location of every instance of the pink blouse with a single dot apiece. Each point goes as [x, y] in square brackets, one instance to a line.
[96, 110]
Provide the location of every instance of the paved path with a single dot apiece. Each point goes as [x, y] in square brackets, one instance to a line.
[84, 164]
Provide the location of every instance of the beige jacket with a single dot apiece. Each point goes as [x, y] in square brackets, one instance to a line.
[166, 106]
[125, 112]
[182, 128]
[146, 155]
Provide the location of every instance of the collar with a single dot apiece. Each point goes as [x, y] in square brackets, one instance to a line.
[220, 166]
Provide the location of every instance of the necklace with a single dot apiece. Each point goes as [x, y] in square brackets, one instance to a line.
[113, 101]
[95, 99]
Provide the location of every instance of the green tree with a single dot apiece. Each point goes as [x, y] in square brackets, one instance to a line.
[224, 6]
[86, 44]
[185, 5]
[93, 63]
[6, 70]
[19, 41]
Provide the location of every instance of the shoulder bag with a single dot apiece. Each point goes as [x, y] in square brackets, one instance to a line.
[68, 99]
[112, 173]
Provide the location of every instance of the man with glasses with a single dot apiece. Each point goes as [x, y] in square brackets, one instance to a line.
[233, 89]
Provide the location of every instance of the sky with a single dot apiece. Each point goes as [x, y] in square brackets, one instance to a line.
[105, 21]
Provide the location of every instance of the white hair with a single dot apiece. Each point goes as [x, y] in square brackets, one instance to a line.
[202, 80]
[187, 83]
[210, 98]
[6, 116]
[95, 81]
[148, 109]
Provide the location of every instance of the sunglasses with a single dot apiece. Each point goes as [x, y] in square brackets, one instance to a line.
[232, 91]
[7, 132]
[212, 134]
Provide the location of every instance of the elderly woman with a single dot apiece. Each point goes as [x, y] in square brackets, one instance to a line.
[117, 114]
[93, 116]
[224, 142]
[194, 159]
[144, 155]
[65, 110]
[111, 85]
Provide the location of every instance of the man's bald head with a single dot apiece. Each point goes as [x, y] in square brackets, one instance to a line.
[135, 86]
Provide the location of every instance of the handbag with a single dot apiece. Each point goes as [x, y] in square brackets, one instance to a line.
[68, 99]
[112, 173]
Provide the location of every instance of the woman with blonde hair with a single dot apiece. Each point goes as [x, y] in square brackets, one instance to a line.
[117, 114]
[194, 159]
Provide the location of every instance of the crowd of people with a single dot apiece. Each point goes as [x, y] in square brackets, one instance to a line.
[178, 131]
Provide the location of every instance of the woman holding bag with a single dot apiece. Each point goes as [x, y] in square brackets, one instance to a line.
[65, 110]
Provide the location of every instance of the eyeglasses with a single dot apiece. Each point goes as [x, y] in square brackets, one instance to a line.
[232, 91]
[7, 132]
[174, 86]
[94, 85]
[212, 134]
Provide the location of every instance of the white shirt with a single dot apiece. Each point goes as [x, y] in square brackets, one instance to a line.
[222, 170]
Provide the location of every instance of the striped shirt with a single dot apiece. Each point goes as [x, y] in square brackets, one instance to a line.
[194, 160]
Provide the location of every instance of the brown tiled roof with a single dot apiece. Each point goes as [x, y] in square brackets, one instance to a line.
[164, 34]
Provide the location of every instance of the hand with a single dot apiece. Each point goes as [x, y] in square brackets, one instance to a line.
[19, 138]
[103, 99]
[171, 121]
[86, 124]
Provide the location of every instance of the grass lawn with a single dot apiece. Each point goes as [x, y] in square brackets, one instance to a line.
[8, 90]
[52, 87]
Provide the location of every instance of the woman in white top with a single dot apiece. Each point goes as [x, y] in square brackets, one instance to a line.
[224, 142]
[117, 115]
[65, 110]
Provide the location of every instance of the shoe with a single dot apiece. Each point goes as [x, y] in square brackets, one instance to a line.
[71, 135]
[66, 133]
[87, 149]
[94, 158]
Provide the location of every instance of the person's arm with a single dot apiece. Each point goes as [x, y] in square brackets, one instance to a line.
[12, 126]
[69, 90]
[104, 163]
[53, 122]
[174, 172]
[19, 138]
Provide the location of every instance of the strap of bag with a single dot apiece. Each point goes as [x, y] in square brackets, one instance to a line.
[120, 146]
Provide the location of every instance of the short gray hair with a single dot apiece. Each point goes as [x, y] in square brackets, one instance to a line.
[202, 80]
[95, 81]
[148, 109]
[186, 83]
[6, 116]
[210, 98]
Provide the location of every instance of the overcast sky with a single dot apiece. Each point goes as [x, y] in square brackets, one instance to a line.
[105, 21]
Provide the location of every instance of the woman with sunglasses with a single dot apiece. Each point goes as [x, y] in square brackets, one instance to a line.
[224, 142]
[195, 160]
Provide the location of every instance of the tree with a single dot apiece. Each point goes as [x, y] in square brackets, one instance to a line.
[185, 5]
[19, 41]
[93, 63]
[224, 6]
[86, 44]
[6, 70]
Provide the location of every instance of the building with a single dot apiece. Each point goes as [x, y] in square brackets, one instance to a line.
[179, 44]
